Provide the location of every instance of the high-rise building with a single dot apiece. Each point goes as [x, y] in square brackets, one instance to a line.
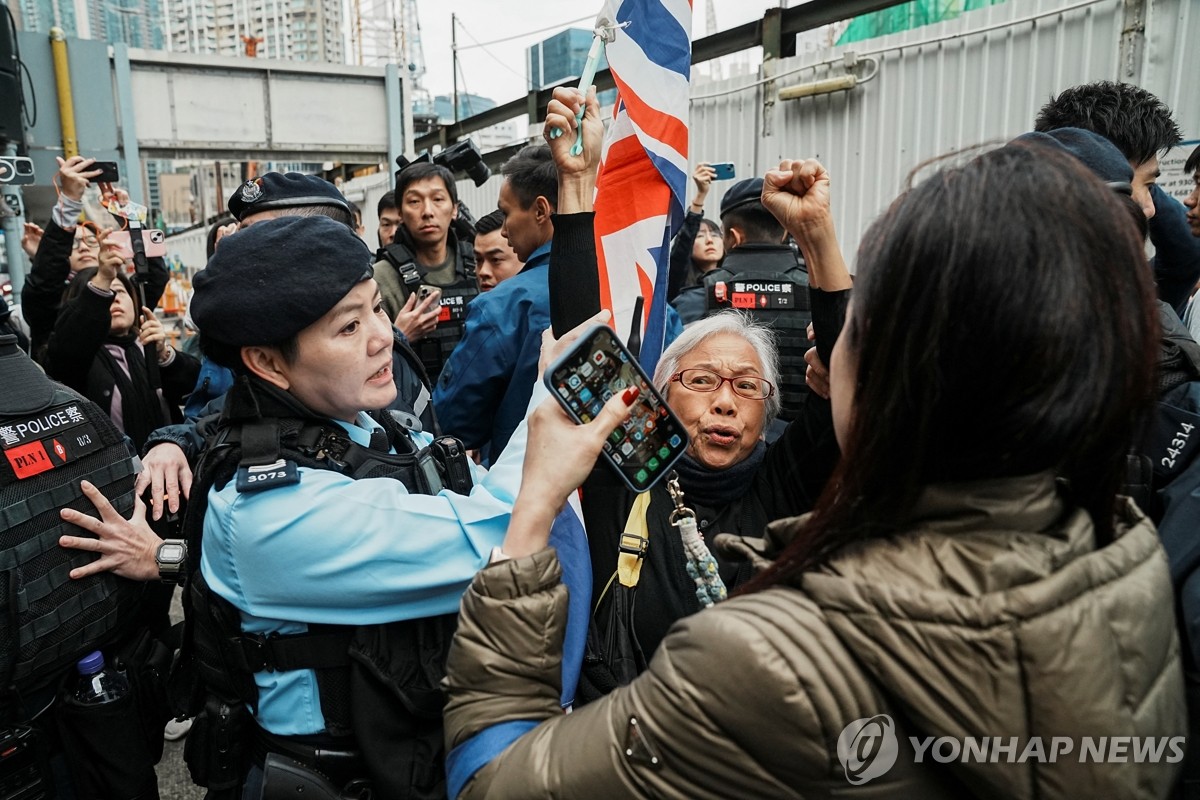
[562, 56]
[298, 30]
[137, 23]
[468, 105]
[42, 15]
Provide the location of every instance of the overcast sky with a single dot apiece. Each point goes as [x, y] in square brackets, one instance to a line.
[498, 71]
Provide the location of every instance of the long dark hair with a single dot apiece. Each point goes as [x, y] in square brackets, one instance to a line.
[79, 283]
[1003, 324]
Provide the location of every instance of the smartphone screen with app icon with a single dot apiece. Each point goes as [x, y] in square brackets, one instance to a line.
[598, 366]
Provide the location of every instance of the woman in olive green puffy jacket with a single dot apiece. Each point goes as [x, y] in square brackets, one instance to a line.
[969, 611]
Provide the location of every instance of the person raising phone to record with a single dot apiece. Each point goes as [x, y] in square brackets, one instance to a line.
[68, 245]
[98, 347]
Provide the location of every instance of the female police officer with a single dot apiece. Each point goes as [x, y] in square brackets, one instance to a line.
[319, 538]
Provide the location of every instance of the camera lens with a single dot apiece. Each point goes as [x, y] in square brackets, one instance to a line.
[479, 173]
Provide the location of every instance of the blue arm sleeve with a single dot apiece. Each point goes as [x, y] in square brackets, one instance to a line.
[475, 378]
[338, 551]
[1177, 253]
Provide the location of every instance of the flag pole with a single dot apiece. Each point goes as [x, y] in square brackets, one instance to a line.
[604, 32]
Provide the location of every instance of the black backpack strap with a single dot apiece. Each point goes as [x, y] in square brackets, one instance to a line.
[260, 442]
[466, 258]
[405, 263]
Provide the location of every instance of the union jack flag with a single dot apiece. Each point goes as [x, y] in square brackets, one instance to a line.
[643, 173]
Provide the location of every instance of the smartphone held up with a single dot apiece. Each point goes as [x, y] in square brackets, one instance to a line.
[154, 242]
[108, 172]
[598, 366]
[723, 171]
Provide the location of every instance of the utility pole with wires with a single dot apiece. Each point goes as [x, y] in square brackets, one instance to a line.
[454, 56]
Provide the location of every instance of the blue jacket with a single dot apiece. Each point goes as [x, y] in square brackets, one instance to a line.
[213, 382]
[484, 388]
[1177, 253]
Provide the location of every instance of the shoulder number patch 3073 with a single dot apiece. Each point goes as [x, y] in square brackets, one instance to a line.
[267, 476]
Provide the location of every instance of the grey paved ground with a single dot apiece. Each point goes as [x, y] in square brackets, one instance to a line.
[174, 783]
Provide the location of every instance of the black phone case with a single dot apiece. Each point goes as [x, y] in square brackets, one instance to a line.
[673, 427]
[109, 173]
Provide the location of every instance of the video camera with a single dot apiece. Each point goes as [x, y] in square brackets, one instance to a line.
[462, 156]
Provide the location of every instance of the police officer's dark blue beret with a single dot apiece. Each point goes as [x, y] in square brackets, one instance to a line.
[1097, 154]
[742, 193]
[272, 280]
[284, 190]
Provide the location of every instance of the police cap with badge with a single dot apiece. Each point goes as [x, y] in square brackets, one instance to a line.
[272, 280]
[276, 190]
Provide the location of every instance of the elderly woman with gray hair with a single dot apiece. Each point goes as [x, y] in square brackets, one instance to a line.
[721, 378]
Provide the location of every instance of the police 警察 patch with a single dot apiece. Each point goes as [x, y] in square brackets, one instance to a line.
[47, 440]
[251, 191]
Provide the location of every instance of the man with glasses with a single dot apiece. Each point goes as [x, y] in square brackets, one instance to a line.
[67, 247]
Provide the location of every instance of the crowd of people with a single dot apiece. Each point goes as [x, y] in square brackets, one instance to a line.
[958, 491]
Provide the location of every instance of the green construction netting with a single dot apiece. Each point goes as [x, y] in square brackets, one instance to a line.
[907, 16]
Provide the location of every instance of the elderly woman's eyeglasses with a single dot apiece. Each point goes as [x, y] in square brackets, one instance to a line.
[751, 387]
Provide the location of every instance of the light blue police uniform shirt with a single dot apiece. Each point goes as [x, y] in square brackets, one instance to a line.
[349, 552]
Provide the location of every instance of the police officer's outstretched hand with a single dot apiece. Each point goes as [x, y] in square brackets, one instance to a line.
[126, 546]
[576, 173]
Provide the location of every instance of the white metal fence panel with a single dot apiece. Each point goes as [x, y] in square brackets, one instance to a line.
[941, 88]
[938, 89]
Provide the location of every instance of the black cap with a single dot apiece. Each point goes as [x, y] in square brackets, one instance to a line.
[742, 193]
[26, 387]
[284, 190]
[1097, 154]
[268, 282]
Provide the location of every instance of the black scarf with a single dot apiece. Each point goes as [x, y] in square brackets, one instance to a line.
[717, 488]
[141, 410]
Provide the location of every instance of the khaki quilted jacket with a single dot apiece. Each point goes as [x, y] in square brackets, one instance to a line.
[993, 615]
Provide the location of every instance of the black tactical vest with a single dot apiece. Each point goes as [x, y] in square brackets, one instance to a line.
[379, 685]
[434, 350]
[52, 438]
[768, 282]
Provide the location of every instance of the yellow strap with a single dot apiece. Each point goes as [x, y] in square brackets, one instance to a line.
[634, 542]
